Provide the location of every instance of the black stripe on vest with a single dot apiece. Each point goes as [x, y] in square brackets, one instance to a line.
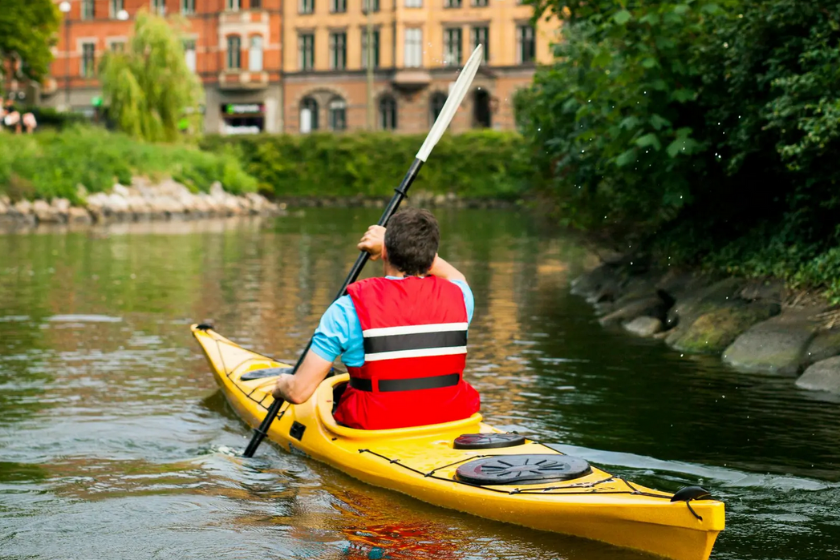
[417, 341]
[415, 384]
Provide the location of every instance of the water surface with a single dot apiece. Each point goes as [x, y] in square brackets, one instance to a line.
[110, 422]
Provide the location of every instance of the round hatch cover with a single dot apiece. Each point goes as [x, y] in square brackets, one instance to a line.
[487, 441]
[523, 469]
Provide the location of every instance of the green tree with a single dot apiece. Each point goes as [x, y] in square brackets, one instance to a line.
[27, 31]
[148, 87]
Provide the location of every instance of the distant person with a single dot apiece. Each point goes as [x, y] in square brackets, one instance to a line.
[402, 337]
[29, 122]
[12, 120]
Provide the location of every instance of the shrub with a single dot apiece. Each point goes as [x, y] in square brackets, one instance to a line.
[54, 163]
[481, 164]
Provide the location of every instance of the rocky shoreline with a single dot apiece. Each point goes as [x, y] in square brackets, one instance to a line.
[753, 325]
[415, 198]
[141, 201]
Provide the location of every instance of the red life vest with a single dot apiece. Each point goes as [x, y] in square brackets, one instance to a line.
[415, 333]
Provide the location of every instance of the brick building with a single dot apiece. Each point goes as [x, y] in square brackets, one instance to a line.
[301, 65]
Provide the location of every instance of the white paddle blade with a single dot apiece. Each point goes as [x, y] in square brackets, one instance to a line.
[456, 95]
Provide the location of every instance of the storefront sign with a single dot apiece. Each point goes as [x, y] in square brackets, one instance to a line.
[243, 108]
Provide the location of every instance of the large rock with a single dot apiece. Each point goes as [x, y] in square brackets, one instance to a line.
[689, 306]
[644, 326]
[45, 213]
[594, 281]
[651, 306]
[825, 345]
[777, 345]
[712, 332]
[76, 215]
[822, 376]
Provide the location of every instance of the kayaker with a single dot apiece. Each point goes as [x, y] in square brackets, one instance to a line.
[402, 336]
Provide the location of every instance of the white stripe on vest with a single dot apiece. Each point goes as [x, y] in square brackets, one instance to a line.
[414, 329]
[421, 353]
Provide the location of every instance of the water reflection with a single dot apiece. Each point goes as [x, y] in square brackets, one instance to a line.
[111, 426]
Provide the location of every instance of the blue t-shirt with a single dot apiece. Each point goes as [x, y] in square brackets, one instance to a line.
[340, 333]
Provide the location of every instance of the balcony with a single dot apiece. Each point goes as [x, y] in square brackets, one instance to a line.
[411, 79]
[239, 80]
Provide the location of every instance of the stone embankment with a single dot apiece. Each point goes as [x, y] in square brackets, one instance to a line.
[141, 201]
[754, 325]
[421, 198]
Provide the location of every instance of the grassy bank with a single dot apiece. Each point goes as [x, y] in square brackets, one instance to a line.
[51, 164]
[485, 164]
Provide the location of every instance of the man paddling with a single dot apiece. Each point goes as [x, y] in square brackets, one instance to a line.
[402, 337]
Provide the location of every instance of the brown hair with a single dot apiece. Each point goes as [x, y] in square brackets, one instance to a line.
[411, 240]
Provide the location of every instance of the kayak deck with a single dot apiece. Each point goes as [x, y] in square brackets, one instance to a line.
[423, 462]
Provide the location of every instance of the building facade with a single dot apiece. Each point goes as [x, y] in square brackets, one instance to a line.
[233, 45]
[302, 65]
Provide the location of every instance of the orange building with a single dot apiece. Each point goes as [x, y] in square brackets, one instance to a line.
[301, 65]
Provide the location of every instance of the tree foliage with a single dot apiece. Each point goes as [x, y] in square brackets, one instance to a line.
[713, 124]
[28, 28]
[148, 87]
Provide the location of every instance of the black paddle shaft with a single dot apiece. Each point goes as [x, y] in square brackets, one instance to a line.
[399, 195]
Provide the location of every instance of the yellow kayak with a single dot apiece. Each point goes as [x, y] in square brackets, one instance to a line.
[470, 466]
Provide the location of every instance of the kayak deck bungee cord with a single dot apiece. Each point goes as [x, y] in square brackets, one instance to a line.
[470, 466]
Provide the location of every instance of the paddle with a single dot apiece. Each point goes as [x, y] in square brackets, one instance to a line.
[456, 95]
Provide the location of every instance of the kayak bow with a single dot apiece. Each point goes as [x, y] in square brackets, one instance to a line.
[502, 477]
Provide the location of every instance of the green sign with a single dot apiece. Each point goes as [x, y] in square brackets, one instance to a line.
[97, 101]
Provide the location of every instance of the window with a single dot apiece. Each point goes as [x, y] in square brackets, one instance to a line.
[479, 3]
[436, 105]
[88, 68]
[525, 43]
[338, 6]
[159, 7]
[233, 5]
[370, 3]
[117, 46]
[452, 4]
[306, 50]
[413, 47]
[338, 114]
[481, 36]
[482, 113]
[374, 46]
[256, 4]
[308, 115]
[413, 3]
[234, 46]
[452, 46]
[388, 113]
[306, 6]
[189, 54]
[116, 7]
[338, 51]
[88, 9]
[255, 54]
[187, 7]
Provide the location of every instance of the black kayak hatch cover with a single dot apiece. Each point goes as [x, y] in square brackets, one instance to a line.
[487, 441]
[523, 469]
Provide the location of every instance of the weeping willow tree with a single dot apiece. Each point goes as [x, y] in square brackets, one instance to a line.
[148, 86]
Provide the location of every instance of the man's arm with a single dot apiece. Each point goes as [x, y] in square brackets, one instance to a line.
[443, 269]
[297, 388]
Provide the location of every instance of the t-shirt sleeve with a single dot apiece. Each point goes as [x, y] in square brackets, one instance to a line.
[333, 334]
[469, 300]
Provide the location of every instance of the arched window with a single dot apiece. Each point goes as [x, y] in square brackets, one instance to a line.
[481, 109]
[338, 114]
[308, 115]
[387, 113]
[436, 105]
[255, 54]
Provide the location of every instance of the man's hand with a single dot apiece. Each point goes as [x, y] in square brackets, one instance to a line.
[373, 241]
[297, 389]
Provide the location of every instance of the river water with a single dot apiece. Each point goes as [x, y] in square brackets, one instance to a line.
[111, 424]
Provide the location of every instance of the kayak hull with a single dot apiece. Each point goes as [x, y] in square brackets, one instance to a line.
[422, 462]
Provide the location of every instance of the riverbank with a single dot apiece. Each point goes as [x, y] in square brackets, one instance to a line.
[753, 325]
[140, 201]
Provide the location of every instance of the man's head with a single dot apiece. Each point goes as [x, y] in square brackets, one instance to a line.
[411, 241]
